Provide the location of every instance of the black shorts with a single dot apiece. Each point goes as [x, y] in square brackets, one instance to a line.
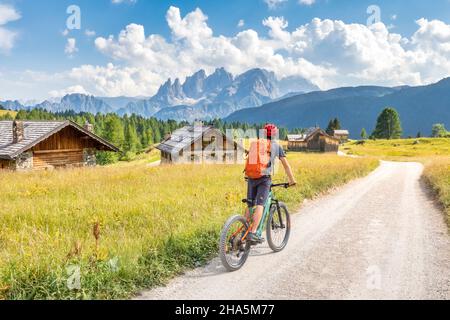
[258, 191]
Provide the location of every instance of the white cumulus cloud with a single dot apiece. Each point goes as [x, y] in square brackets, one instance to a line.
[89, 33]
[123, 1]
[68, 90]
[330, 53]
[273, 4]
[307, 2]
[7, 37]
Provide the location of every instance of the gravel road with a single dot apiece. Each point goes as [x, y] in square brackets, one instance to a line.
[379, 237]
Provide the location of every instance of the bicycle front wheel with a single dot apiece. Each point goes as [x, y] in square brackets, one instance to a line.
[233, 250]
[278, 227]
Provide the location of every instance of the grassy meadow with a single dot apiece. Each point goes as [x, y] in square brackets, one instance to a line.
[401, 149]
[434, 153]
[124, 228]
[437, 174]
[5, 112]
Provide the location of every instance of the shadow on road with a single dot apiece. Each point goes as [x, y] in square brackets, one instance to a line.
[215, 267]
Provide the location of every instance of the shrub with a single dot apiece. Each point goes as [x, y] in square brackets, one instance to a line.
[105, 158]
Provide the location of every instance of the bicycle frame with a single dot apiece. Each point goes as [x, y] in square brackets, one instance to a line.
[265, 214]
[269, 202]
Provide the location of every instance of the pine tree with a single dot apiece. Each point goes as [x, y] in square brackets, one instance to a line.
[388, 125]
[363, 134]
[336, 124]
[114, 131]
[330, 128]
[438, 130]
[131, 138]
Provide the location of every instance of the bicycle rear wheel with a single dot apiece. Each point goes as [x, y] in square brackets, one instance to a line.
[278, 227]
[233, 251]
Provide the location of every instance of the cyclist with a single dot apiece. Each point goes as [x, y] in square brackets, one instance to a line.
[259, 170]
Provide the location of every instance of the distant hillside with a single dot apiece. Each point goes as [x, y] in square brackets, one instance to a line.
[357, 108]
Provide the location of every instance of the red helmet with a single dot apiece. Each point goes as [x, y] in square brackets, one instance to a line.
[271, 130]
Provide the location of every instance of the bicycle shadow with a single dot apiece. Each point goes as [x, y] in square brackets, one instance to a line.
[215, 267]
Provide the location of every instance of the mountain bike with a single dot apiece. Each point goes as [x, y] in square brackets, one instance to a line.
[234, 247]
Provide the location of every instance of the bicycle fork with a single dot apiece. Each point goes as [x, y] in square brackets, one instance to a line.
[282, 225]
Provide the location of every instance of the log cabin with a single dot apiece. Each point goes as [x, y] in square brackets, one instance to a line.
[314, 140]
[199, 144]
[34, 145]
[342, 135]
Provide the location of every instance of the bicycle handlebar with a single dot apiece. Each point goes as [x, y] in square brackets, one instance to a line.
[284, 185]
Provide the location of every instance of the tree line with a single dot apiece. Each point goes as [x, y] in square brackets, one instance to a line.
[131, 134]
[388, 126]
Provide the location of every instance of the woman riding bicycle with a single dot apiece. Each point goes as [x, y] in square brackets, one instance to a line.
[259, 170]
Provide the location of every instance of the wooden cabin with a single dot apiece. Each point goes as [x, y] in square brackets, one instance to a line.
[28, 145]
[342, 135]
[199, 144]
[314, 140]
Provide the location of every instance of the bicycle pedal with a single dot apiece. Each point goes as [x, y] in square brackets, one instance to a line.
[254, 243]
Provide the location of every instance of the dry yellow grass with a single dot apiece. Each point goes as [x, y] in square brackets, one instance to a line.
[5, 112]
[152, 222]
[437, 174]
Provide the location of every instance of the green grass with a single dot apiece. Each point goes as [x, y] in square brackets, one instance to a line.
[402, 149]
[146, 158]
[153, 222]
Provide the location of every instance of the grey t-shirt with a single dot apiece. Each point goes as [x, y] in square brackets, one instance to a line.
[275, 152]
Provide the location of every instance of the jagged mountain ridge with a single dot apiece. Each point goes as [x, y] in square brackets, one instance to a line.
[201, 96]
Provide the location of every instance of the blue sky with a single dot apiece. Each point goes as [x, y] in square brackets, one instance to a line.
[37, 59]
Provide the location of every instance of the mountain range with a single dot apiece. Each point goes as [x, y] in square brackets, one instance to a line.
[257, 96]
[200, 96]
[358, 107]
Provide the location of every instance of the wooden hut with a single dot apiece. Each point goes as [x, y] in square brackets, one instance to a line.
[342, 135]
[198, 143]
[314, 140]
[27, 145]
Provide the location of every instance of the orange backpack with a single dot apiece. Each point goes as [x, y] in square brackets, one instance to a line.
[258, 159]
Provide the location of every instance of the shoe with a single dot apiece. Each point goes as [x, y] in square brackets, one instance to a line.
[253, 237]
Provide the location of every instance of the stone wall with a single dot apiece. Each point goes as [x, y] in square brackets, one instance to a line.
[89, 158]
[24, 161]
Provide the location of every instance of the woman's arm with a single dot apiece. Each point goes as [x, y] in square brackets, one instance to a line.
[288, 170]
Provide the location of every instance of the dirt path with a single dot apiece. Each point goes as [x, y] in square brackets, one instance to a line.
[378, 237]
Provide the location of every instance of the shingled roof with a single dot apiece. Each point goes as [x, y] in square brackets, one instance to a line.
[36, 132]
[308, 135]
[185, 137]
